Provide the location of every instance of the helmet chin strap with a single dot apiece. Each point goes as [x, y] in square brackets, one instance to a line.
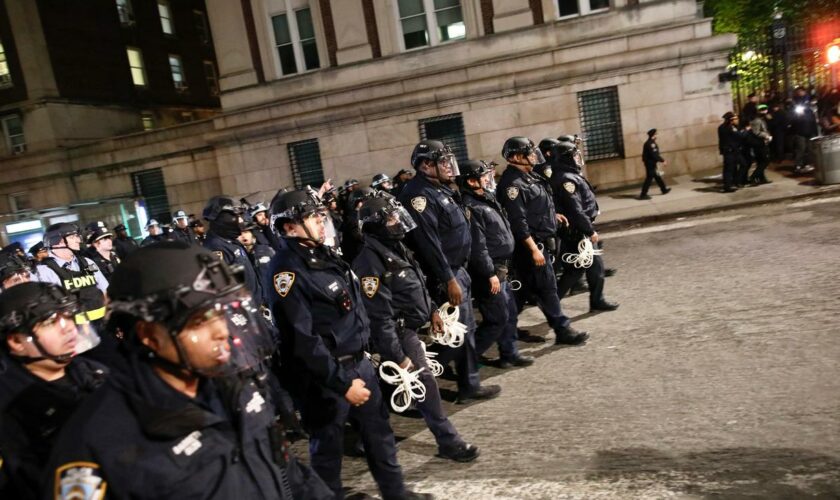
[61, 358]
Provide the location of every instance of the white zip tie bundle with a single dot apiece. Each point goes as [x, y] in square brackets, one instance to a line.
[434, 365]
[453, 331]
[585, 256]
[409, 387]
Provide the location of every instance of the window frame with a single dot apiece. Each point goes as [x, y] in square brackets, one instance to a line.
[294, 166]
[170, 19]
[6, 80]
[202, 27]
[431, 20]
[142, 67]
[13, 149]
[581, 12]
[181, 86]
[214, 87]
[459, 147]
[147, 116]
[296, 42]
[587, 127]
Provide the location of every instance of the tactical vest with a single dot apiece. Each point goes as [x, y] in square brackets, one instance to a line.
[82, 284]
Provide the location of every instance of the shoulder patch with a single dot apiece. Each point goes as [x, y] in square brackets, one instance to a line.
[219, 254]
[419, 203]
[569, 187]
[370, 285]
[283, 283]
[512, 192]
[79, 481]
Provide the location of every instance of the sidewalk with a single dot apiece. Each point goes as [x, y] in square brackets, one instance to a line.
[698, 193]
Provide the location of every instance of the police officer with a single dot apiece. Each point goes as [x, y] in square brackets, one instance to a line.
[490, 262]
[155, 231]
[398, 304]
[181, 230]
[100, 243]
[317, 304]
[187, 396]
[262, 232]
[533, 222]
[123, 244]
[577, 203]
[13, 271]
[730, 144]
[38, 252]
[401, 179]
[351, 238]
[199, 230]
[226, 223]
[651, 157]
[41, 379]
[259, 254]
[442, 242]
[381, 182]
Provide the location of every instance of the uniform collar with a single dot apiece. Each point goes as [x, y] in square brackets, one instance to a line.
[320, 257]
[390, 257]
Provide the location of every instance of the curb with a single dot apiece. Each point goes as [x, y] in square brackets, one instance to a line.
[624, 223]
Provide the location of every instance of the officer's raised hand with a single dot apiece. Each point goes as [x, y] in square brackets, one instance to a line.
[357, 395]
[495, 285]
[453, 291]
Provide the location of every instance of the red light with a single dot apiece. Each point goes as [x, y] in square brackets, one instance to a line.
[833, 53]
[237, 341]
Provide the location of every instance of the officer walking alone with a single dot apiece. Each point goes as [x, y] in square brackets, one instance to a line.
[651, 157]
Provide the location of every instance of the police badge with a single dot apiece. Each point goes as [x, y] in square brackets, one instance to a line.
[419, 203]
[370, 285]
[512, 192]
[283, 283]
[569, 187]
[80, 480]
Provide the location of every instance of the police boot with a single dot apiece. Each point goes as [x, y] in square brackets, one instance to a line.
[570, 336]
[411, 495]
[483, 392]
[520, 360]
[603, 306]
[463, 452]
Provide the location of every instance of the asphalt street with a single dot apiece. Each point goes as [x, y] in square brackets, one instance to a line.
[719, 376]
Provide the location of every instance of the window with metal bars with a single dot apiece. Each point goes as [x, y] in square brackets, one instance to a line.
[305, 159]
[150, 185]
[600, 122]
[449, 129]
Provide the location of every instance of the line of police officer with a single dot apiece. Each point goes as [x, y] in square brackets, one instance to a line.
[203, 388]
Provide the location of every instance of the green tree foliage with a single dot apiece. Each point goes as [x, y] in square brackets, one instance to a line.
[751, 18]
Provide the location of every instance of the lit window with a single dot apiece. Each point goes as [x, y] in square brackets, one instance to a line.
[165, 17]
[294, 38]
[177, 68]
[13, 132]
[212, 78]
[417, 15]
[125, 11]
[148, 120]
[135, 62]
[5, 74]
[569, 8]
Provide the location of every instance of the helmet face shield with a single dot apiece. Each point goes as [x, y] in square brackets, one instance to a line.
[64, 334]
[397, 220]
[535, 157]
[226, 337]
[447, 167]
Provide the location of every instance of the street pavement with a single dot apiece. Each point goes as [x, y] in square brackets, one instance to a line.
[717, 378]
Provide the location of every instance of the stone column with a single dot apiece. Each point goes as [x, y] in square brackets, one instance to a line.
[350, 34]
[511, 14]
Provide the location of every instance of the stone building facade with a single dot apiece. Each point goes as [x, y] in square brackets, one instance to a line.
[317, 89]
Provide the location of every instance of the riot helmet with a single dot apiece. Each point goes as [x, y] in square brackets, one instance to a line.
[48, 317]
[525, 147]
[302, 207]
[225, 216]
[62, 235]
[385, 217]
[202, 305]
[382, 181]
[480, 170]
[440, 155]
[13, 270]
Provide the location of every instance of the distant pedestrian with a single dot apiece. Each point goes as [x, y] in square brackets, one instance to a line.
[760, 139]
[651, 157]
[804, 128]
[730, 140]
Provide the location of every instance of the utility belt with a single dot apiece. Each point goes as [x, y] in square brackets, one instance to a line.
[501, 267]
[548, 244]
[350, 360]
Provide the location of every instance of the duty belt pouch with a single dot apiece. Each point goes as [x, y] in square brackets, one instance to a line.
[501, 271]
[551, 246]
[279, 443]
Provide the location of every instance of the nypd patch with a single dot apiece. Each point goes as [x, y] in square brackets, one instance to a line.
[569, 187]
[283, 283]
[79, 481]
[419, 203]
[370, 285]
[512, 192]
